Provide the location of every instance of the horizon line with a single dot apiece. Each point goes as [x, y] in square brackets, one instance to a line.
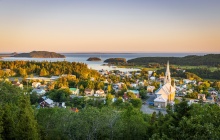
[126, 52]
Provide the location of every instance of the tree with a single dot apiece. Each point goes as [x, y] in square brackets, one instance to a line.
[17, 120]
[137, 103]
[109, 89]
[43, 72]
[34, 98]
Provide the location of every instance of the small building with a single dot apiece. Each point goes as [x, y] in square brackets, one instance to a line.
[89, 92]
[74, 91]
[36, 84]
[99, 93]
[133, 85]
[201, 96]
[60, 104]
[150, 89]
[17, 84]
[47, 103]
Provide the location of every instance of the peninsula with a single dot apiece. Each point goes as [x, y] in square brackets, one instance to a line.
[40, 54]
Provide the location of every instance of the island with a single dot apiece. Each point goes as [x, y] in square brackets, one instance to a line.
[40, 54]
[115, 60]
[94, 59]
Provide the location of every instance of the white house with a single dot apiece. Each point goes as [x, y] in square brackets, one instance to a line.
[99, 93]
[89, 92]
[134, 85]
[150, 88]
[36, 84]
[152, 78]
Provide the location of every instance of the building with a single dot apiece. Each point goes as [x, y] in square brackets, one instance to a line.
[166, 93]
[74, 91]
[99, 93]
[89, 92]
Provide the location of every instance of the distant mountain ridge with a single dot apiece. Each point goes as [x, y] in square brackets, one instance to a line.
[191, 60]
[40, 54]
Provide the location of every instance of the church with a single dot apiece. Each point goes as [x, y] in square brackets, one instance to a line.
[166, 93]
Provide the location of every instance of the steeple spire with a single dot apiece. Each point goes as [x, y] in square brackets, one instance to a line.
[167, 78]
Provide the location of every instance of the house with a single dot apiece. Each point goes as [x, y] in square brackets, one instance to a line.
[152, 78]
[60, 104]
[89, 92]
[166, 93]
[36, 84]
[213, 92]
[99, 93]
[150, 88]
[133, 85]
[74, 91]
[201, 96]
[39, 91]
[47, 103]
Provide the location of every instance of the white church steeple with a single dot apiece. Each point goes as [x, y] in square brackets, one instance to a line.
[167, 78]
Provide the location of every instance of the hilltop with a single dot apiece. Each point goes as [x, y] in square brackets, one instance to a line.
[190, 60]
[40, 54]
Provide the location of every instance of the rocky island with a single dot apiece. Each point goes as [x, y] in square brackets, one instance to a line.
[40, 54]
[115, 60]
[94, 59]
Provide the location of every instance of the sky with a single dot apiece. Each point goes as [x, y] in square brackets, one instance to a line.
[110, 26]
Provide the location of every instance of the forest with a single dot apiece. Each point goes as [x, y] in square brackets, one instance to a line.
[198, 73]
[20, 120]
[115, 60]
[190, 60]
[40, 54]
[27, 68]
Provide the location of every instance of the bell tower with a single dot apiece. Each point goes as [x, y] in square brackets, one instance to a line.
[167, 78]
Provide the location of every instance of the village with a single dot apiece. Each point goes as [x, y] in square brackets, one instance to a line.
[155, 93]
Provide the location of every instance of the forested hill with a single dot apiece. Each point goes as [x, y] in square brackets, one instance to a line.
[40, 54]
[192, 60]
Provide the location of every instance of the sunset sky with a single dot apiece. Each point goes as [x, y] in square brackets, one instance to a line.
[110, 25]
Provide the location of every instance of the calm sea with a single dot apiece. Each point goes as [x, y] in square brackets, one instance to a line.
[82, 57]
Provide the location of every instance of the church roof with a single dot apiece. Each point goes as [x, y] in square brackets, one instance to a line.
[166, 89]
